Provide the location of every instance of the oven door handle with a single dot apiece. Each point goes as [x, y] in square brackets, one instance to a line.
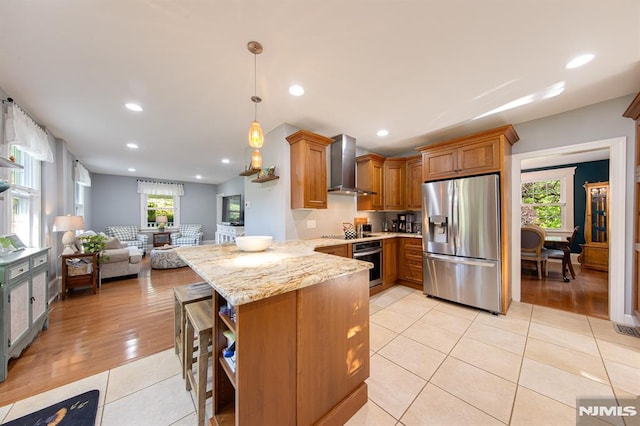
[366, 253]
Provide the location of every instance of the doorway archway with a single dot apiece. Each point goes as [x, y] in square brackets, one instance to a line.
[617, 173]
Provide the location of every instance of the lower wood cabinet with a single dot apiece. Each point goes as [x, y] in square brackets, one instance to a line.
[24, 307]
[342, 250]
[389, 261]
[410, 262]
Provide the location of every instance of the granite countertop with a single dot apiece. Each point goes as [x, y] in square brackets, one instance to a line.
[242, 277]
[336, 240]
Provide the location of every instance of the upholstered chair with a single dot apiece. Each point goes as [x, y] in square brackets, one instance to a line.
[187, 235]
[129, 236]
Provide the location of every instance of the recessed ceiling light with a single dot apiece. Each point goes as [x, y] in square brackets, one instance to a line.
[296, 90]
[133, 107]
[579, 61]
[382, 132]
[198, 176]
[225, 160]
[132, 145]
[131, 169]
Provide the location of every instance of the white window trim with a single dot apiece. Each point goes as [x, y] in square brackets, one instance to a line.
[565, 175]
[143, 213]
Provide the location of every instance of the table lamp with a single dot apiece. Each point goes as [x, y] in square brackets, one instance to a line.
[162, 222]
[69, 224]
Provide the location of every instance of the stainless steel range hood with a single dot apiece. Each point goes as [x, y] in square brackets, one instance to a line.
[343, 167]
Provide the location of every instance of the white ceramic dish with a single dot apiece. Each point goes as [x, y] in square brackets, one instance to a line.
[254, 243]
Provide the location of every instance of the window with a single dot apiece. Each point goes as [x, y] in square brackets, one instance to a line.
[159, 205]
[159, 199]
[79, 199]
[25, 198]
[547, 199]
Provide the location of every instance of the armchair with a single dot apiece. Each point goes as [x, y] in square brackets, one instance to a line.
[128, 236]
[187, 235]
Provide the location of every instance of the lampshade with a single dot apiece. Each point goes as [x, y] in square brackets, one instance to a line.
[256, 137]
[256, 159]
[161, 219]
[68, 223]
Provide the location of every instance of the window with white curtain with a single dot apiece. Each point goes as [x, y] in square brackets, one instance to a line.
[25, 198]
[159, 199]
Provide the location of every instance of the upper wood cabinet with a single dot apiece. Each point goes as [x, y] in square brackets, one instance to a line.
[369, 176]
[393, 189]
[308, 170]
[470, 155]
[414, 183]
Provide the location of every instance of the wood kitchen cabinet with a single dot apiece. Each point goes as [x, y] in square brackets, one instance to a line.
[393, 188]
[308, 170]
[410, 262]
[467, 156]
[633, 112]
[413, 188]
[389, 261]
[369, 176]
[342, 250]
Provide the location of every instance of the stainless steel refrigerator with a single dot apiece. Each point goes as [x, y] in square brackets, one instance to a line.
[461, 241]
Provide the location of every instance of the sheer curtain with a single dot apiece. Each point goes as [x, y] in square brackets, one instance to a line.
[22, 132]
[82, 176]
[160, 188]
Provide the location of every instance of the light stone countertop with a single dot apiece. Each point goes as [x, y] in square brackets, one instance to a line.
[242, 277]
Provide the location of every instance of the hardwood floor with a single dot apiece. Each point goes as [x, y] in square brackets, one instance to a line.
[128, 319]
[588, 294]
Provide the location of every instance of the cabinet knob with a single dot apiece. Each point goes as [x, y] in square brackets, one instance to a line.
[33, 299]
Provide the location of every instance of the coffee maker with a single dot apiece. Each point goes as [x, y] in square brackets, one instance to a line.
[411, 218]
[402, 222]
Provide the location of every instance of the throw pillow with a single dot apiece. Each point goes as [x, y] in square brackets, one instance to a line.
[112, 243]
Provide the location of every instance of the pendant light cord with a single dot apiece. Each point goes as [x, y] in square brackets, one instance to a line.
[255, 87]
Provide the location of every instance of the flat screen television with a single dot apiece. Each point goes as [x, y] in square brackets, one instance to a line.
[232, 210]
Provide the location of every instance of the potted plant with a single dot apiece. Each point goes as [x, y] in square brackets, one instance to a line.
[95, 243]
[6, 245]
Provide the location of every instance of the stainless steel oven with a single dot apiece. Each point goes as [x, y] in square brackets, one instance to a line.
[370, 251]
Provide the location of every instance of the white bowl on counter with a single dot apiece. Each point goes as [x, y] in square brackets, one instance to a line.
[254, 242]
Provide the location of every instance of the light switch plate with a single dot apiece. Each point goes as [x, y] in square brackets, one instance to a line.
[311, 224]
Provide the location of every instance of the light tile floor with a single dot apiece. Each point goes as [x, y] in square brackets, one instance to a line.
[432, 362]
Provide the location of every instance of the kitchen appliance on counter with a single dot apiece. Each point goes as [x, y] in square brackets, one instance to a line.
[461, 240]
[410, 223]
[402, 222]
[370, 251]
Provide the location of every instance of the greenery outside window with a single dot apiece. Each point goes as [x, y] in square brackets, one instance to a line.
[547, 199]
[153, 206]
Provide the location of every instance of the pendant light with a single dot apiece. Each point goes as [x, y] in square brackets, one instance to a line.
[256, 137]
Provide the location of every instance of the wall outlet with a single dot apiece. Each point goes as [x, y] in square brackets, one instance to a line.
[311, 224]
[247, 204]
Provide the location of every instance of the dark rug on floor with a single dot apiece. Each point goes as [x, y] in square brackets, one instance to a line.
[77, 411]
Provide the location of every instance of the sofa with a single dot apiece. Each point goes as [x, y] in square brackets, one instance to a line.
[128, 236]
[187, 235]
[116, 260]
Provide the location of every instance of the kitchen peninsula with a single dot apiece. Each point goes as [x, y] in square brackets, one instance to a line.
[301, 328]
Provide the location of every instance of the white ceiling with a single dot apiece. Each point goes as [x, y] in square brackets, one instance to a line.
[422, 69]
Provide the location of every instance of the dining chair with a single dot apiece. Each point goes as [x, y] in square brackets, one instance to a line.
[559, 254]
[531, 247]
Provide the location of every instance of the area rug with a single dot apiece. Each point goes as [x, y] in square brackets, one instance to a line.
[77, 411]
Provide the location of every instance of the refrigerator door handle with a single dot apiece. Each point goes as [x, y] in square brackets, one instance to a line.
[489, 264]
[456, 217]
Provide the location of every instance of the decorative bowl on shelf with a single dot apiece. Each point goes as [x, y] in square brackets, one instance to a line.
[4, 185]
[254, 243]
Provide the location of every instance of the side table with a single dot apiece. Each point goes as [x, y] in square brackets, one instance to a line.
[161, 238]
[79, 270]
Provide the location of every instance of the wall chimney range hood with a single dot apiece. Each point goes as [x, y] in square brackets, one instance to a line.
[343, 167]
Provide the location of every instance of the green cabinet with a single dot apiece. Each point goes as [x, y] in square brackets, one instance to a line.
[24, 308]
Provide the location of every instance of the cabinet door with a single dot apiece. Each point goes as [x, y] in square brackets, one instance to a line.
[414, 184]
[439, 163]
[19, 302]
[38, 295]
[479, 157]
[369, 176]
[316, 177]
[389, 260]
[340, 250]
[394, 181]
